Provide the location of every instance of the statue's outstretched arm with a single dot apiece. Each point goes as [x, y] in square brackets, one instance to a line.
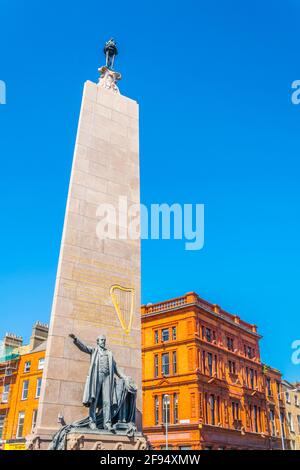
[83, 347]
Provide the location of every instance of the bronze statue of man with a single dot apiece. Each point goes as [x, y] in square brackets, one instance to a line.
[99, 386]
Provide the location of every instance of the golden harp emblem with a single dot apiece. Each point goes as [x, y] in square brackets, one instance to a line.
[123, 301]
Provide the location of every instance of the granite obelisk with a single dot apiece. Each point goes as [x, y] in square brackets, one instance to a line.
[97, 287]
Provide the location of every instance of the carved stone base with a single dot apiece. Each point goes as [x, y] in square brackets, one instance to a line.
[105, 441]
[85, 439]
[37, 442]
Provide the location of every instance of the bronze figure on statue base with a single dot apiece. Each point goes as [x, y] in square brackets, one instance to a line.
[108, 393]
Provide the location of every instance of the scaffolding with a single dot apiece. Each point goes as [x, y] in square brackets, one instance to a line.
[9, 358]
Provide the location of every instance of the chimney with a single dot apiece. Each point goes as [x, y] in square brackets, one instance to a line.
[39, 334]
[11, 340]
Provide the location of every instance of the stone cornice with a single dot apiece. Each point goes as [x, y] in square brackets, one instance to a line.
[219, 316]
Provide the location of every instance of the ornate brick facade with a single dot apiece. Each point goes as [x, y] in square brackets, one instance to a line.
[21, 370]
[208, 363]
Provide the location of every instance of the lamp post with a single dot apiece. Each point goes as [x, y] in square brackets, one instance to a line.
[281, 420]
[166, 404]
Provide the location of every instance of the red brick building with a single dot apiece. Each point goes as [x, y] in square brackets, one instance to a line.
[207, 362]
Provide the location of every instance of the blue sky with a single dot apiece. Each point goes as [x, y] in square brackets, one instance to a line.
[217, 126]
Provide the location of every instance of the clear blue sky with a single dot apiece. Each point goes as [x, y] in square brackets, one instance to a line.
[213, 80]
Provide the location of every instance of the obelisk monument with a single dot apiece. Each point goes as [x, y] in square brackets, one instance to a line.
[97, 287]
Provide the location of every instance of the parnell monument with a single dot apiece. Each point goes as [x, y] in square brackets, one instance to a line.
[91, 396]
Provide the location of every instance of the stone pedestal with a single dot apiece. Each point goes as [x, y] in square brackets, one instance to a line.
[85, 439]
[105, 168]
[104, 441]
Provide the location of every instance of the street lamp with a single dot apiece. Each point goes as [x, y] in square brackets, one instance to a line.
[166, 405]
[280, 417]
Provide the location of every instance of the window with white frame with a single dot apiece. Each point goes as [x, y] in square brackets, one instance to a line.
[174, 361]
[156, 370]
[290, 421]
[165, 334]
[165, 363]
[38, 387]
[257, 418]
[230, 344]
[278, 388]
[175, 408]
[174, 333]
[20, 426]
[27, 366]
[25, 388]
[232, 367]
[33, 422]
[41, 363]
[5, 393]
[212, 405]
[156, 409]
[269, 387]
[166, 410]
